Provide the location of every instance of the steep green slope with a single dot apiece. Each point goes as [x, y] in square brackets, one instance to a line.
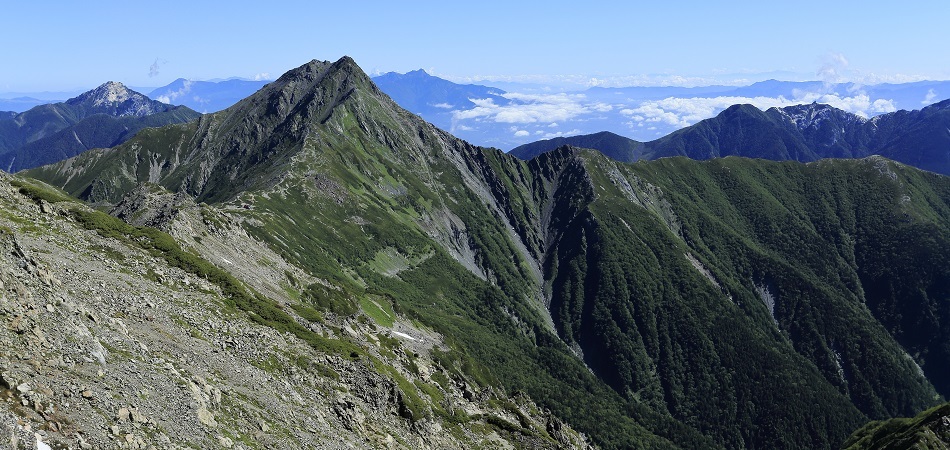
[732, 303]
[867, 231]
[767, 236]
[930, 430]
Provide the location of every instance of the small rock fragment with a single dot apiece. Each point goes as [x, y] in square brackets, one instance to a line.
[225, 441]
[205, 417]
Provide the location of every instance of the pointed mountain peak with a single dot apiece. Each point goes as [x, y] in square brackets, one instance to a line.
[315, 67]
[317, 85]
[113, 92]
[115, 99]
[108, 92]
[312, 67]
[306, 77]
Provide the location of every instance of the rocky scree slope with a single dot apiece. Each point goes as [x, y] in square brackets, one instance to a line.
[112, 340]
[671, 304]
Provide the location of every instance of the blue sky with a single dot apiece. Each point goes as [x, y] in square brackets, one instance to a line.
[77, 45]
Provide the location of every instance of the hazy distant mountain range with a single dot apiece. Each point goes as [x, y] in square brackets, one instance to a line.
[801, 133]
[206, 96]
[440, 101]
[20, 104]
[493, 117]
[507, 118]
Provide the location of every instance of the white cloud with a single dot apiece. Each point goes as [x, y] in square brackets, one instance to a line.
[931, 95]
[263, 76]
[444, 105]
[562, 133]
[172, 96]
[522, 133]
[581, 81]
[897, 78]
[553, 125]
[833, 64]
[153, 70]
[532, 108]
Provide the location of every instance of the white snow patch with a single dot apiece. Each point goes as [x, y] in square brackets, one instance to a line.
[40, 445]
[404, 335]
[838, 363]
[768, 299]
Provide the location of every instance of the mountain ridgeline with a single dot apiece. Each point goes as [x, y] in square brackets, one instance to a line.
[802, 133]
[100, 118]
[732, 303]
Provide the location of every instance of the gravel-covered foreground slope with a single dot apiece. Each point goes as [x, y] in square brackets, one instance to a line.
[120, 342]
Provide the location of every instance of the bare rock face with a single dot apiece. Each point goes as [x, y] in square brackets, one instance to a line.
[151, 205]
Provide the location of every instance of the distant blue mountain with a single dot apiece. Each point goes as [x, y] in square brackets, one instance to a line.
[435, 99]
[424, 94]
[658, 92]
[20, 104]
[206, 96]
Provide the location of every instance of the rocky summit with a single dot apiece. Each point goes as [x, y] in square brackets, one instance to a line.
[115, 99]
[348, 274]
